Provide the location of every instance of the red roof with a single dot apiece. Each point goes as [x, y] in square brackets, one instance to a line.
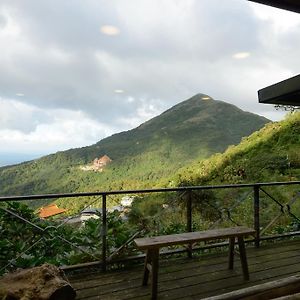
[50, 210]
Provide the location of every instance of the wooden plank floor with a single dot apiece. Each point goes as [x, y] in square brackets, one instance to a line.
[196, 278]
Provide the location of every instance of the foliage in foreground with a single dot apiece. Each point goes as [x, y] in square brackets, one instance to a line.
[35, 241]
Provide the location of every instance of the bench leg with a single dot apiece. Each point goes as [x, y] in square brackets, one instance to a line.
[243, 257]
[151, 265]
[147, 266]
[231, 253]
[190, 250]
[154, 273]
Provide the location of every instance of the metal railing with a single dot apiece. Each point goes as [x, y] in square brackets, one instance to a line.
[256, 193]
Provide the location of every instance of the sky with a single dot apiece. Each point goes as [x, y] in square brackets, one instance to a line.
[76, 71]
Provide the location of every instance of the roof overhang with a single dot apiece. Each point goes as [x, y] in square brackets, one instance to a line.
[292, 5]
[286, 92]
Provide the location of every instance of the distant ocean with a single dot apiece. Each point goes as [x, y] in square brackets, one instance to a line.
[7, 159]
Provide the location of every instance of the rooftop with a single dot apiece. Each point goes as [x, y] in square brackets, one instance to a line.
[50, 210]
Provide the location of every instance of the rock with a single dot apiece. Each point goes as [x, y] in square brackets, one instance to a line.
[46, 282]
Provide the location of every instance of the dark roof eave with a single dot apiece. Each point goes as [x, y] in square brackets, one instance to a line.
[291, 5]
[286, 92]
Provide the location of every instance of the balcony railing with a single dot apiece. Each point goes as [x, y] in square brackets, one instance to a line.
[272, 209]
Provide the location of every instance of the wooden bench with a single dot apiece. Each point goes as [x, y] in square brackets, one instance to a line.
[152, 245]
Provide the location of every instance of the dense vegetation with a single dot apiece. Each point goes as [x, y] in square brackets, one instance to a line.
[36, 241]
[142, 157]
[271, 154]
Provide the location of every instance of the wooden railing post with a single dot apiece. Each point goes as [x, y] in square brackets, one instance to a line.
[256, 215]
[104, 232]
[189, 218]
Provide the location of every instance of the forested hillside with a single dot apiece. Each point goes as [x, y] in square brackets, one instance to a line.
[142, 157]
[270, 154]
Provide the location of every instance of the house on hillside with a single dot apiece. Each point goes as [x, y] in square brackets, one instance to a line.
[86, 214]
[127, 201]
[50, 211]
[98, 164]
[101, 162]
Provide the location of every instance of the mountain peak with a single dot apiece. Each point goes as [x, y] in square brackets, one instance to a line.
[200, 96]
[197, 99]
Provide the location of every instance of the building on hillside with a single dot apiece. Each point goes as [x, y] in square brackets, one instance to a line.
[118, 208]
[86, 214]
[126, 201]
[98, 164]
[50, 211]
[101, 162]
[95, 213]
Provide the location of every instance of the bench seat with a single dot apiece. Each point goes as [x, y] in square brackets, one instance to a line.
[152, 245]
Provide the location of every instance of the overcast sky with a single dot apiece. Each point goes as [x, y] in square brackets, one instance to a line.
[75, 71]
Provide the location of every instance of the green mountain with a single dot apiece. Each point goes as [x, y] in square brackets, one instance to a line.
[141, 157]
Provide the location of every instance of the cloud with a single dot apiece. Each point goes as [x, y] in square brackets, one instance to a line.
[57, 129]
[110, 65]
[15, 115]
[52, 130]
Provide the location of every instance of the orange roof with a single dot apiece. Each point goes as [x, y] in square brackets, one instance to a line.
[50, 210]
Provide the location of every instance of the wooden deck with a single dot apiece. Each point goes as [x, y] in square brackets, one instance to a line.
[196, 278]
